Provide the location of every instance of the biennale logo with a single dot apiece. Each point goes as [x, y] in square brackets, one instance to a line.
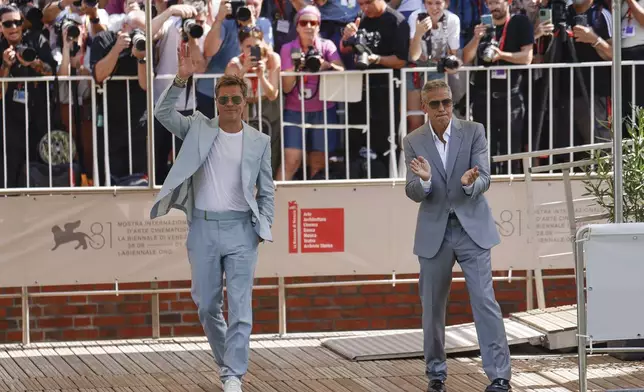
[69, 235]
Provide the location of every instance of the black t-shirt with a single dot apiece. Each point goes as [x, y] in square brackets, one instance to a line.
[599, 19]
[36, 91]
[519, 33]
[394, 36]
[127, 65]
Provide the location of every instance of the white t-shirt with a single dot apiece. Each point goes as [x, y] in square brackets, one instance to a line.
[218, 181]
[632, 31]
[410, 5]
[169, 60]
[446, 36]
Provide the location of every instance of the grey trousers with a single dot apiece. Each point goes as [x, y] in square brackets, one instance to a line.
[224, 243]
[434, 287]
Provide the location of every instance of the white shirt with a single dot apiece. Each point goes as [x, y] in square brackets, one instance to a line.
[442, 148]
[446, 36]
[632, 31]
[169, 60]
[218, 181]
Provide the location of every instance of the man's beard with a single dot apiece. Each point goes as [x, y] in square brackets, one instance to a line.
[500, 14]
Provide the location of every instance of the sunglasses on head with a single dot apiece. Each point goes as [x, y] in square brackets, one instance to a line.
[10, 23]
[305, 23]
[235, 99]
[436, 104]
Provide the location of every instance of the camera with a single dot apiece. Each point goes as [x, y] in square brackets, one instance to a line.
[361, 44]
[27, 53]
[240, 11]
[449, 62]
[190, 28]
[559, 12]
[70, 26]
[89, 3]
[138, 39]
[486, 46]
[309, 61]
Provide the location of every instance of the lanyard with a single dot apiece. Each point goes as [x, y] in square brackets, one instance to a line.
[280, 6]
[505, 31]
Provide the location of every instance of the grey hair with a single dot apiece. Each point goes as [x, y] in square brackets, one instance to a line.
[434, 85]
[200, 6]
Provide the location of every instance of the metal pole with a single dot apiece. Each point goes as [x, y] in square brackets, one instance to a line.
[156, 325]
[25, 316]
[149, 77]
[581, 307]
[617, 109]
[281, 310]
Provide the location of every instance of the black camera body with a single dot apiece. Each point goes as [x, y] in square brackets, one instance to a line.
[449, 62]
[137, 37]
[488, 42]
[240, 11]
[309, 61]
[559, 12]
[362, 45]
[191, 29]
[73, 32]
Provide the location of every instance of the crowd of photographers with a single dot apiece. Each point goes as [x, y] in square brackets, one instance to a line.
[266, 40]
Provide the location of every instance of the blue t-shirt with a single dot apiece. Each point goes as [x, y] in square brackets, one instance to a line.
[230, 48]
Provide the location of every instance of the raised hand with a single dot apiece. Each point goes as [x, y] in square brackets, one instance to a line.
[470, 176]
[186, 67]
[420, 167]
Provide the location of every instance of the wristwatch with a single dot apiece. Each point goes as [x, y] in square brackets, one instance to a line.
[181, 83]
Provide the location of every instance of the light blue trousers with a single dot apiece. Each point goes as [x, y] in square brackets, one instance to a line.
[218, 243]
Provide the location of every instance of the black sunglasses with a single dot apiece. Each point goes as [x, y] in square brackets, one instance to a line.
[223, 100]
[436, 104]
[10, 23]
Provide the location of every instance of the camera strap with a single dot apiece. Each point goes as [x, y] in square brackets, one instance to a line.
[504, 33]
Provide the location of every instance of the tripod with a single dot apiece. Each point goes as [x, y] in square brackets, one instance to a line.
[560, 38]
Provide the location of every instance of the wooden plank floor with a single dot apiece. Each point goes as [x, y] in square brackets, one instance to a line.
[294, 364]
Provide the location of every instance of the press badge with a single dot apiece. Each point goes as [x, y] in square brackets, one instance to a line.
[19, 96]
[628, 31]
[499, 74]
[283, 26]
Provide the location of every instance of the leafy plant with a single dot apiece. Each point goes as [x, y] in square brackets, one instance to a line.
[599, 182]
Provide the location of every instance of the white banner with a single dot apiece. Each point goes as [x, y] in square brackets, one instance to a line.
[326, 230]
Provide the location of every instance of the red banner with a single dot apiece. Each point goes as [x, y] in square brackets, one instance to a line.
[292, 227]
[322, 230]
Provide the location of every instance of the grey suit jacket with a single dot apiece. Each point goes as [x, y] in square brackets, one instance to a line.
[467, 148]
[198, 133]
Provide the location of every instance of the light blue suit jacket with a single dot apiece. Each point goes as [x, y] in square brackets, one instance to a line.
[198, 133]
[467, 148]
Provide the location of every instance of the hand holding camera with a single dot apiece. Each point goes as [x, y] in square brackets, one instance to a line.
[423, 24]
[183, 11]
[584, 34]
[9, 57]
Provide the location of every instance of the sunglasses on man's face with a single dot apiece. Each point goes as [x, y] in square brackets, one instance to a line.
[11, 23]
[436, 104]
[223, 100]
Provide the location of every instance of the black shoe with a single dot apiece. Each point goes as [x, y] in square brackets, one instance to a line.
[436, 386]
[499, 385]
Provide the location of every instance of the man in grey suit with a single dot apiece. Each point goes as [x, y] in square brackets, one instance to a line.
[221, 163]
[454, 222]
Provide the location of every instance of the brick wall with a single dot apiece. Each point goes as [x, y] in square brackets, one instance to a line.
[308, 310]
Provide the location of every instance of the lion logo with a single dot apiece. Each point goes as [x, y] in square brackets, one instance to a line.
[62, 237]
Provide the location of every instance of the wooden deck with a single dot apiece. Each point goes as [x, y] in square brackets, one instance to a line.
[293, 364]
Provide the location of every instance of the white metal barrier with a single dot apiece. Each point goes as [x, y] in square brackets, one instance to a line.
[606, 284]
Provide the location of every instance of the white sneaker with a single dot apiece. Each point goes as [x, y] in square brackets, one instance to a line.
[232, 385]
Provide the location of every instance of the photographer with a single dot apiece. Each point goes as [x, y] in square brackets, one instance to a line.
[122, 54]
[177, 25]
[23, 55]
[379, 39]
[590, 24]
[258, 60]
[94, 19]
[308, 53]
[508, 40]
[222, 44]
[434, 35]
[632, 49]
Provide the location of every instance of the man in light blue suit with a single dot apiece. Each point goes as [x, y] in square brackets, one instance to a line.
[221, 164]
[454, 222]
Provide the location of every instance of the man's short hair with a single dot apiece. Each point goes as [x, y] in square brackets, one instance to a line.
[232, 80]
[433, 85]
[200, 5]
